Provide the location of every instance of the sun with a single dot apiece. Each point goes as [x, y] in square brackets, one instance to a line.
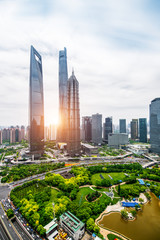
[51, 120]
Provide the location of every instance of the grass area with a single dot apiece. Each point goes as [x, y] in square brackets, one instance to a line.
[116, 176]
[103, 198]
[113, 236]
[82, 194]
[34, 188]
[115, 193]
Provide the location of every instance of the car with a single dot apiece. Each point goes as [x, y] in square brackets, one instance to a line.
[9, 225]
[2, 216]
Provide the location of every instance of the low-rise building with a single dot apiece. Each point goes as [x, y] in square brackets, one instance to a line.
[116, 140]
[51, 230]
[89, 149]
[72, 225]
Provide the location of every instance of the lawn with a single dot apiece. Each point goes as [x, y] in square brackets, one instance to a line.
[112, 237]
[85, 191]
[82, 194]
[116, 176]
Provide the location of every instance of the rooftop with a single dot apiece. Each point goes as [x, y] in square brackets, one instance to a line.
[50, 226]
[71, 221]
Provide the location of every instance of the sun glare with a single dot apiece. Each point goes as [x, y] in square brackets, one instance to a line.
[51, 121]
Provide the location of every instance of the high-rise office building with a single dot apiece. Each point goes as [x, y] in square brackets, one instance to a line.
[73, 141]
[63, 78]
[87, 129]
[0, 136]
[97, 128]
[143, 130]
[134, 129]
[12, 135]
[122, 125]
[155, 125]
[5, 134]
[107, 128]
[36, 104]
[18, 134]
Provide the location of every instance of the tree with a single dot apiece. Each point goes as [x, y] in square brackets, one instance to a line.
[124, 214]
[141, 200]
[90, 224]
[119, 189]
[10, 213]
[41, 230]
[134, 213]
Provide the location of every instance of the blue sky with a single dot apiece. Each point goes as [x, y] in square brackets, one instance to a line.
[114, 47]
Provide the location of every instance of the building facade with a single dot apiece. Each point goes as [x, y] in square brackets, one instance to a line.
[117, 140]
[122, 125]
[87, 129]
[134, 129]
[97, 128]
[107, 128]
[63, 78]
[1, 137]
[143, 130]
[155, 125]
[72, 225]
[36, 106]
[73, 141]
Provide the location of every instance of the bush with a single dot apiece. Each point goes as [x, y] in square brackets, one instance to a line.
[10, 213]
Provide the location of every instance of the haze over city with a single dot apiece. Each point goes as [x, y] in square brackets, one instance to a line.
[113, 46]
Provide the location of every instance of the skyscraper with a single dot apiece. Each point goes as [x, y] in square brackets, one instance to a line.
[12, 135]
[143, 130]
[87, 129]
[134, 129]
[107, 128]
[63, 78]
[155, 125]
[122, 125]
[73, 142]
[0, 136]
[97, 128]
[36, 104]
[22, 132]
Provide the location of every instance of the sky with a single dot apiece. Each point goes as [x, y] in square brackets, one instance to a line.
[113, 46]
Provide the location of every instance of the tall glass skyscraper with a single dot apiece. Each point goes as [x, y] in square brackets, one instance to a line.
[107, 128]
[63, 78]
[143, 130]
[134, 129]
[122, 125]
[73, 142]
[155, 125]
[36, 104]
[97, 128]
[87, 129]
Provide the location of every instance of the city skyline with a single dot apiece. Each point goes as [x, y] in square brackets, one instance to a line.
[115, 54]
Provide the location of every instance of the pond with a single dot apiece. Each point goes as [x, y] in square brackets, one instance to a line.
[145, 227]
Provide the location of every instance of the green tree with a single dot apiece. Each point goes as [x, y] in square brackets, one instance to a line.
[90, 224]
[41, 230]
[10, 213]
[124, 214]
[141, 200]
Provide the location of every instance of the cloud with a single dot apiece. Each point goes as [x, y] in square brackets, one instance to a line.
[114, 47]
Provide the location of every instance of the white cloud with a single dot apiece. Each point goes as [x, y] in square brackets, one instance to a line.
[114, 47]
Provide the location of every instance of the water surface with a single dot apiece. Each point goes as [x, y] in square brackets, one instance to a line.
[145, 227]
